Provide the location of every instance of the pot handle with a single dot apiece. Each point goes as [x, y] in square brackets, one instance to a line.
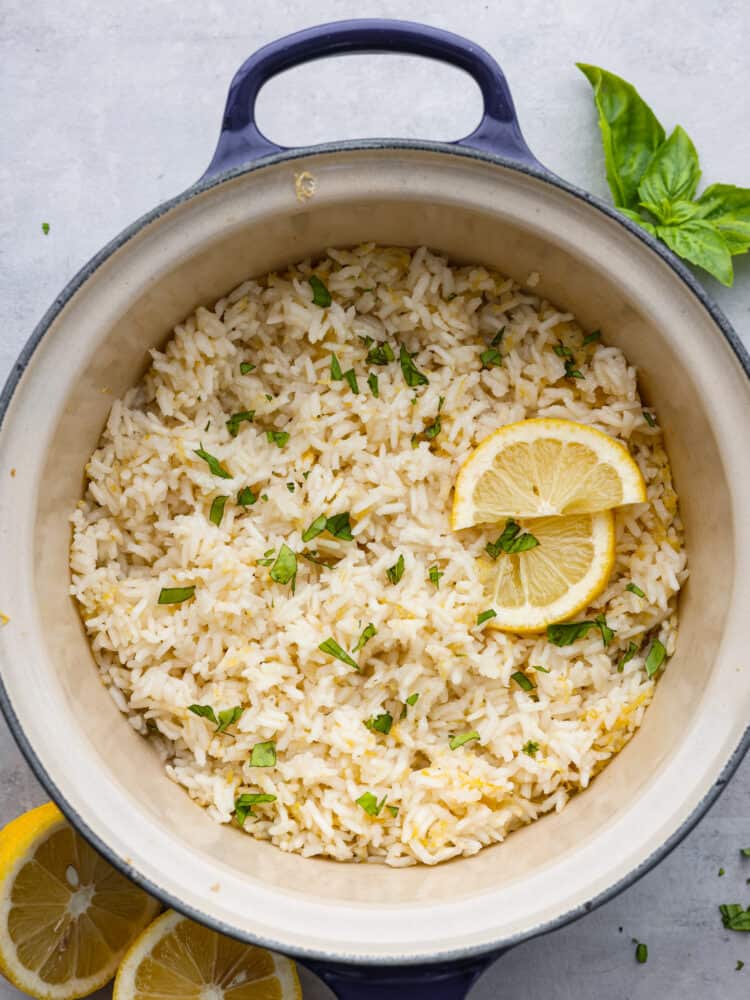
[241, 142]
[427, 982]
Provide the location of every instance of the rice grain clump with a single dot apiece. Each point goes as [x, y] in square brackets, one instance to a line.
[304, 412]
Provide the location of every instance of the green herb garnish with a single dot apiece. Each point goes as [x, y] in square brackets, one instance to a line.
[530, 748]
[204, 712]
[279, 438]
[396, 571]
[243, 806]
[226, 718]
[635, 589]
[484, 616]
[351, 378]
[45, 228]
[246, 368]
[217, 510]
[367, 633]
[745, 852]
[370, 804]
[512, 541]
[321, 295]
[246, 497]
[380, 723]
[340, 527]
[629, 654]
[175, 595]
[291, 487]
[655, 657]
[413, 699]
[372, 381]
[263, 754]
[522, 680]
[491, 358]
[592, 338]
[721, 872]
[458, 739]
[412, 375]
[381, 354]
[606, 632]
[648, 418]
[641, 953]
[434, 575]
[497, 339]
[734, 917]
[393, 810]
[284, 569]
[336, 373]
[317, 527]
[542, 670]
[562, 351]
[566, 633]
[571, 371]
[213, 463]
[331, 647]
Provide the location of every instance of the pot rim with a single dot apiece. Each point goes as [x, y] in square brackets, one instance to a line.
[23, 361]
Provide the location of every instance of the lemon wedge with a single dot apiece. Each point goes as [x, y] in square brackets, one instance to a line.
[67, 916]
[557, 578]
[543, 467]
[175, 957]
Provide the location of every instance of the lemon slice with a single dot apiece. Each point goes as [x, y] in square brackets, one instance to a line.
[537, 468]
[67, 917]
[556, 579]
[176, 958]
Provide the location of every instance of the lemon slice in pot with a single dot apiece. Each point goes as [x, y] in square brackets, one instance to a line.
[175, 957]
[542, 467]
[556, 578]
[67, 917]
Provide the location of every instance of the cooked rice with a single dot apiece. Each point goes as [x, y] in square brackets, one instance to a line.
[245, 640]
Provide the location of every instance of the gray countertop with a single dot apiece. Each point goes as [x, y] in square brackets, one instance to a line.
[110, 108]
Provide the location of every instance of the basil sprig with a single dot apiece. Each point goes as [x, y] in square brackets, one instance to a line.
[654, 178]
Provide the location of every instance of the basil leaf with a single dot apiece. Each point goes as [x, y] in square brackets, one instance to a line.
[484, 616]
[246, 497]
[635, 217]
[491, 358]
[321, 295]
[233, 424]
[370, 804]
[497, 339]
[228, 718]
[571, 371]
[45, 228]
[393, 810]
[414, 698]
[655, 657]
[381, 354]
[562, 351]
[372, 381]
[522, 681]
[511, 541]
[351, 378]
[745, 852]
[367, 633]
[628, 655]
[698, 242]
[243, 806]
[412, 375]
[317, 527]
[648, 418]
[175, 595]
[246, 368]
[213, 463]
[607, 633]
[530, 748]
[631, 133]
[263, 754]
[366, 340]
[641, 953]
[542, 670]
[331, 647]
[315, 557]
[434, 575]
[635, 589]
[734, 917]
[204, 712]
[380, 723]
[592, 338]
[339, 526]
[673, 213]
[673, 172]
[459, 739]
[336, 375]
[566, 633]
[396, 571]
[727, 208]
[279, 438]
[284, 569]
[217, 510]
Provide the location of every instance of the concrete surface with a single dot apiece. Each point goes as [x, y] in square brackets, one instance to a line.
[109, 108]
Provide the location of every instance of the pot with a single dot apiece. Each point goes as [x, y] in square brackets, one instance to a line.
[371, 930]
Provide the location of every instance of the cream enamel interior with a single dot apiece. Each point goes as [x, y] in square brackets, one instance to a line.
[96, 348]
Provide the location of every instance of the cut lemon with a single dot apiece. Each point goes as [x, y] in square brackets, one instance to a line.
[543, 467]
[556, 579]
[66, 916]
[176, 958]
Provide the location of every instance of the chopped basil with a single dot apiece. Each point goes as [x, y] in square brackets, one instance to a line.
[721, 872]
[175, 595]
[372, 381]
[530, 748]
[380, 723]
[542, 670]
[458, 739]
[370, 804]
[635, 589]
[45, 228]
[393, 810]
[566, 633]
[413, 699]
[336, 374]
[496, 340]
[317, 527]
[629, 654]
[606, 632]
[306, 474]
[243, 806]
[217, 510]
[208, 424]
[738, 967]
[331, 647]
[321, 295]
[641, 953]
[745, 852]
[246, 368]
[366, 340]
[655, 657]
[268, 557]
[592, 338]
[435, 574]
[412, 375]
[204, 712]
[396, 571]
[512, 540]
[284, 569]
[268, 396]
[339, 526]
[264, 497]
[571, 371]
[491, 358]
[228, 717]
[351, 378]
[246, 497]
[484, 616]
[263, 754]
[648, 418]
[734, 917]
[279, 438]
[522, 681]
[213, 463]
[562, 351]
[381, 354]
[367, 633]
[291, 487]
